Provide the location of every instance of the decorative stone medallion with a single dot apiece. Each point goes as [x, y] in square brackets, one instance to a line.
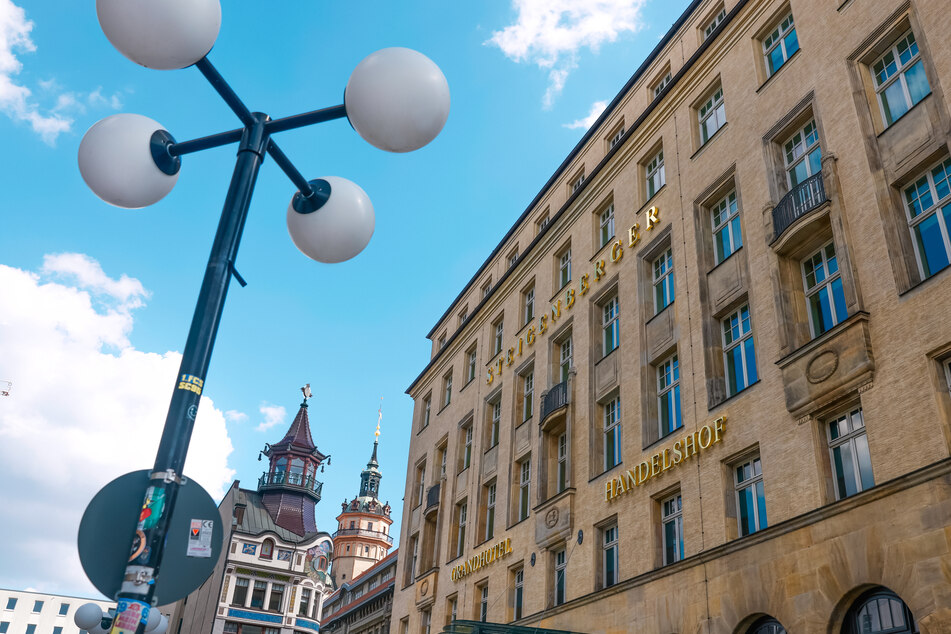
[551, 517]
[822, 366]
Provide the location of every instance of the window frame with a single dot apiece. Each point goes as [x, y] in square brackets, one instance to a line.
[805, 157]
[672, 513]
[898, 75]
[518, 595]
[606, 227]
[495, 421]
[491, 498]
[560, 566]
[561, 474]
[665, 388]
[484, 602]
[528, 394]
[780, 33]
[739, 342]
[727, 210]
[528, 304]
[827, 284]
[755, 482]
[565, 359]
[850, 438]
[524, 488]
[610, 548]
[467, 446]
[498, 340]
[447, 388]
[471, 364]
[655, 173]
[662, 279]
[427, 411]
[935, 209]
[611, 432]
[713, 107]
[712, 24]
[462, 510]
[658, 86]
[564, 267]
[610, 325]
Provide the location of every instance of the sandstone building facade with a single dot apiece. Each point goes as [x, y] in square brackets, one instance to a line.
[702, 384]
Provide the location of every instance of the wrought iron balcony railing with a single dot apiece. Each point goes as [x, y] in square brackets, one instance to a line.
[287, 480]
[802, 199]
[556, 398]
[362, 532]
[432, 496]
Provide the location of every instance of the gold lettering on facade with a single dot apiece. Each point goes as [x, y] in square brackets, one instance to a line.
[583, 286]
[666, 459]
[569, 298]
[633, 234]
[510, 357]
[651, 218]
[519, 346]
[489, 376]
[542, 324]
[617, 251]
[488, 556]
[599, 270]
[555, 311]
[530, 336]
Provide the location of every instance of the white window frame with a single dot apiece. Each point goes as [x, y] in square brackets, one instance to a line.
[447, 389]
[796, 151]
[528, 395]
[577, 182]
[495, 422]
[606, 225]
[722, 214]
[777, 37]
[826, 283]
[661, 84]
[420, 483]
[616, 138]
[491, 491]
[427, 410]
[565, 358]
[542, 223]
[610, 326]
[609, 554]
[854, 437]
[611, 418]
[755, 479]
[662, 269]
[461, 532]
[711, 113]
[467, 447]
[735, 331]
[499, 335]
[487, 288]
[671, 511]
[471, 365]
[561, 475]
[655, 174]
[513, 256]
[713, 24]
[561, 565]
[519, 593]
[913, 194]
[564, 268]
[528, 304]
[668, 380]
[524, 488]
[484, 603]
[898, 75]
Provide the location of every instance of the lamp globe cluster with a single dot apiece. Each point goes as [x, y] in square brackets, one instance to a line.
[89, 617]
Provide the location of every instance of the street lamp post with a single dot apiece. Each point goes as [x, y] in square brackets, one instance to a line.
[396, 99]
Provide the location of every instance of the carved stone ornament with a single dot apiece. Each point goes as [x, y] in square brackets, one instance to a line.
[822, 366]
[424, 587]
[551, 517]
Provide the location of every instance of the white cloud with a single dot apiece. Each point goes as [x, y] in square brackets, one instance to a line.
[596, 109]
[234, 416]
[273, 415]
[86, 407]
[16, 100]
[550, 33]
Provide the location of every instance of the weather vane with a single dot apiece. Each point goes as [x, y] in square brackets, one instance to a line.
[307, 392]
[379, 419]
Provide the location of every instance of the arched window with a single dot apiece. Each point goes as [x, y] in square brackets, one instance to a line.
[767, 625]
[297, 472]
[280, 467]
[267, 549]
[322, 563]
[879, 611]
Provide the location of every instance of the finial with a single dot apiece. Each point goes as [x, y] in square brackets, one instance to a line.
[307, 394]
[378, 421]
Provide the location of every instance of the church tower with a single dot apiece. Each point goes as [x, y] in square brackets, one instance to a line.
[363, 526]
[289, 488]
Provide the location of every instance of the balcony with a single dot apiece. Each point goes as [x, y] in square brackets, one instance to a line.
[806, 196]
[555, 399]
[432, 499]
[362, 532]
[290, 482]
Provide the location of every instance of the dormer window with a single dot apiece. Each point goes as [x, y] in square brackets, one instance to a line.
[267, 549]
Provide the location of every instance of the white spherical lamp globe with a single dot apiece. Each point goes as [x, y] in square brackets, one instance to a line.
[155, 618]
[337, 230]
[88, 616]
[161, 34]
[397, 99]
[115, 160]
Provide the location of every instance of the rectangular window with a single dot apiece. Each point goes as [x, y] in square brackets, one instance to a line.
[490, 511]
[276, 602]
[11, 603]
[899, 77]
[564, 268]
[257, 594]
[825, 298]
[561, 563]
[713, 24]
[304, 607]
[494, 421]
[672, 520]
[739, 355]
[528, 305]
[564, 359]
[711, 115]
[427, 410]
[31, 628]
[606, 225]
[442, 463]
[487, 288]
[668, 396]
[612, 433]
[497, 342]
[425, 622]
[484, 603]
[663, 268]
[37, 606]
[802, 155]
[63, 609]
[750, 497]
[231, 627]
[451, 610]
[727, 236]
[58, 629]
[467, 447]
[661, 84]
[470, 365]
[780, 44]
[461, 512]
[610, 327]
[524, 486]
[513, 257]
[414, 540]
[848, 446]
[542, 223]
[609, 556]
[463, 314]
[4, 627]
[420, 484]
[240, 596]
[562, 476]
[577, 183]
[928, 210]
[447, 389]
[528, 394]
[442, 341]
[519, 592]
[616, 138]
[655, 174]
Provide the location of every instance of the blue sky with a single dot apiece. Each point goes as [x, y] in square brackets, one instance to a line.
[90, 339]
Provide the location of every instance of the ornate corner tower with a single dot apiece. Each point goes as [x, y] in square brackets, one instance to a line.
[363, 526]
[289, 488]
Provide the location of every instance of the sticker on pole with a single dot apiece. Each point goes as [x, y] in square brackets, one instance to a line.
[129, 613]
[199, 538]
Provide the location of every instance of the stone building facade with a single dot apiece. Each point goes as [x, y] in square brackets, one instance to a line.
[363, 605]
[702, 384]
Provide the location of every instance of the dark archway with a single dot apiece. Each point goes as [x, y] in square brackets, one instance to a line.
[766, 625]
[879, 611]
